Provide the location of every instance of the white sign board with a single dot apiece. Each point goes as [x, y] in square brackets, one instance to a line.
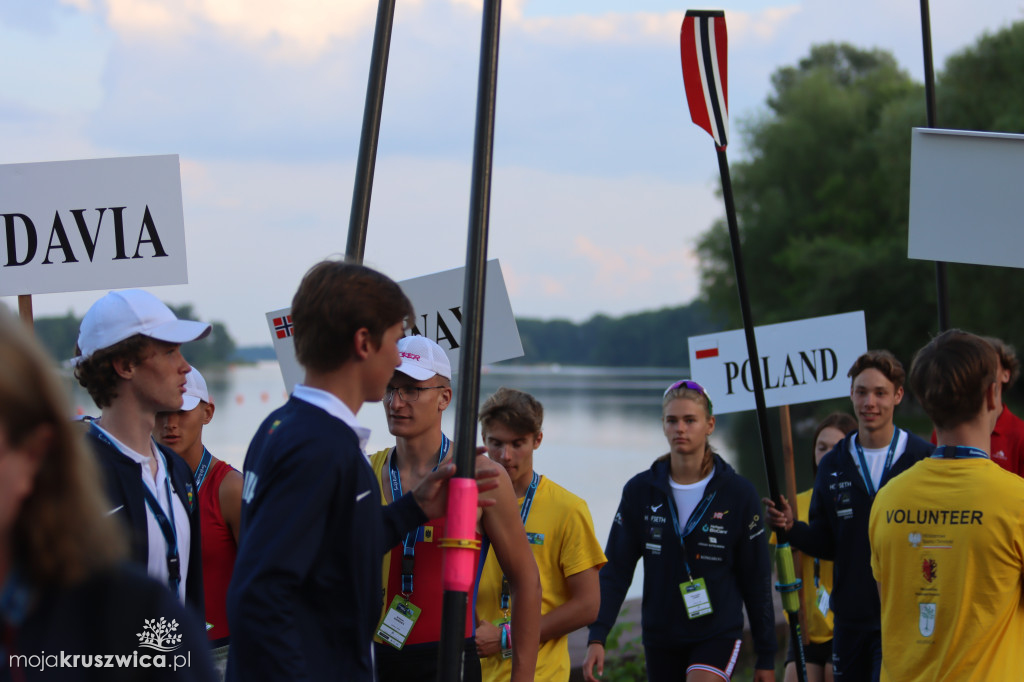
[437, 302]
[94, 224]
[966, 203]
[801, 361]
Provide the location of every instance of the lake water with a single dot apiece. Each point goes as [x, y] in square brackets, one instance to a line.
[601, 425]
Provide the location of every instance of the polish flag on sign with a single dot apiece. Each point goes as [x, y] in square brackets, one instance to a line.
[703, 46]
[707, 353]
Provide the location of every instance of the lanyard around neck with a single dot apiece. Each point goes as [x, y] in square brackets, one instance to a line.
[694, 519]
[958, 452]
[524, 513]
[865, 472]
[203, 468]
[409, 544]
[166, 524]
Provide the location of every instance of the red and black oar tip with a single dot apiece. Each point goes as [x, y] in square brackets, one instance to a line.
[703, 46]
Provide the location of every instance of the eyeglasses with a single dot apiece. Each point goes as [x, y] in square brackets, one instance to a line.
[692, 385]
[409, 394]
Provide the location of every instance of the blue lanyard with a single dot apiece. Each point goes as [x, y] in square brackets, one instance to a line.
[409, 544]
[958, 452]
[865, 472]
[167, 528]
[203, 468]
[695, 518]
[817, 573]
[524, 513]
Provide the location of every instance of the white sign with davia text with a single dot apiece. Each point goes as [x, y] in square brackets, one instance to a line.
[437, 302]
[801, 361]
[91, 224]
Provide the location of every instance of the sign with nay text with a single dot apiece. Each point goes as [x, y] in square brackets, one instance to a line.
[800, 361]
[966, 204]
[437, 302]
[91, 224]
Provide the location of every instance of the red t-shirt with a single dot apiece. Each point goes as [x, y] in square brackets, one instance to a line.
[1007, 446]
[219, 551]
[428, 590]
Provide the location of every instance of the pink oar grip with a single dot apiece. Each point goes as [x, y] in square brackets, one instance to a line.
[460, 529]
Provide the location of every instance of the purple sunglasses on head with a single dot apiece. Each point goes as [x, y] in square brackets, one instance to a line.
[692, 385]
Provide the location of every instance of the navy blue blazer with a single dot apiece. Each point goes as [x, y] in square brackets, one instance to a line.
[125, 490]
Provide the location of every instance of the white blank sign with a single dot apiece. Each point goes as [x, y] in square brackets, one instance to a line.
[967, 197]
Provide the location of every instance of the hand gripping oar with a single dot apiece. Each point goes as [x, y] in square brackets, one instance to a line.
[704, 50]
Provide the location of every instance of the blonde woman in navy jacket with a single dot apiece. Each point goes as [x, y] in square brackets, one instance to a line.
[697, 525]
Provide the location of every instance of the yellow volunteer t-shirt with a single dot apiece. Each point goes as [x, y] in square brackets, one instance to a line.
[562, 538]
[819, 626]
[947, 548]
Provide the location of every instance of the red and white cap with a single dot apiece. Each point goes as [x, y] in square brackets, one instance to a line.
[123, 314]
[422, 358]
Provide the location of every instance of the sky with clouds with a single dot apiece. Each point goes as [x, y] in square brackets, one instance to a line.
[601, 182]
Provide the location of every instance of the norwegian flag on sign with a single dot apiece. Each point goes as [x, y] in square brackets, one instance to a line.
[703, 46]
[283, 326]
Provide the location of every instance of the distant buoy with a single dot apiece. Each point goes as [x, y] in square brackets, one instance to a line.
[79, 411]
[239, 398]
[264, 397]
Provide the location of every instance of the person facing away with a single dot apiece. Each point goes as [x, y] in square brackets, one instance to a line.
[947, 535]
[416, 397]
[697, 524]
[219, 489]
[837, 527]
[561, 534]
[130, 361]
[1007, 445]
[305, 596]
[69, 597]
[817, 574]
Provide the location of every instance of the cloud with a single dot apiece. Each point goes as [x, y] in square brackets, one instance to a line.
[297, 28]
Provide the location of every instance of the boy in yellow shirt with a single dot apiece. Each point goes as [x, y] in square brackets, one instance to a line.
[947, 535]
[561, 535]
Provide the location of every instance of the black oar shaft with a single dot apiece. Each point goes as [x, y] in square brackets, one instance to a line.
[748, 327]
[755, 372]
[367, 158]
[453, 621]
[941, 287]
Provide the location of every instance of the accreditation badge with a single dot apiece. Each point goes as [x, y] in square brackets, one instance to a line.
[823, 600]
[398, 622]
[504, 626]
[696, 598]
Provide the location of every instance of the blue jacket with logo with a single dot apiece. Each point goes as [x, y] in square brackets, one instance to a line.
[305, 596]
[837, 529]
[727, 548]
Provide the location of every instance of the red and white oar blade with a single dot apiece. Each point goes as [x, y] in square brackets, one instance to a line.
[703, 45]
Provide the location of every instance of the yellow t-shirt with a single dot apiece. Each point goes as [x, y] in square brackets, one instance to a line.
[563, 542]
[947, 548]
[819, 627]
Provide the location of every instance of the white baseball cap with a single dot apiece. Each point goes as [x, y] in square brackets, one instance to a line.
[422, 358]
[195, 391]
[122, 314]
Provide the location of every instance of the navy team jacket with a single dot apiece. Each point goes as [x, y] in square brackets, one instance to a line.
[305, 596]
[837, 530]
[728, 548]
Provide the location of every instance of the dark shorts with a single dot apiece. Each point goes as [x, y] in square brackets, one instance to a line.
[419, 662]
[819, 654]
[856, 654]
[716, 655]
